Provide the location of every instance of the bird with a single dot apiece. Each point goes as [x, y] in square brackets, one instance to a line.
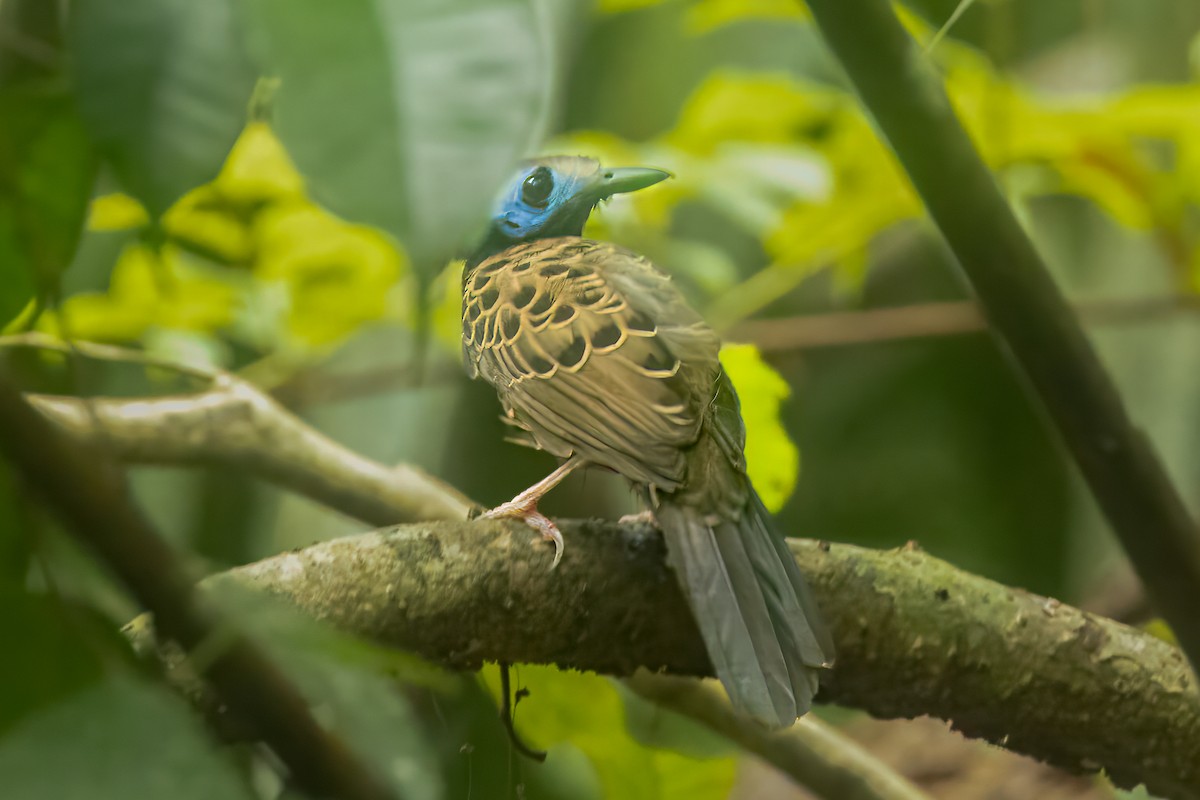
[598, 359]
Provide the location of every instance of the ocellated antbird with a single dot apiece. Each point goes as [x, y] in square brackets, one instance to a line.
[598, 360]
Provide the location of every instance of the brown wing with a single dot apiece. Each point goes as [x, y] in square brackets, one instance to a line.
[593, 352]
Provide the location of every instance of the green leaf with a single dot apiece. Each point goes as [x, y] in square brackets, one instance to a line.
[566, 711]
[772, 458]
[354, 686]
[163, 86]
[655, 726]
[120, 739]
[407, 115]
[48, 654]
[478, 753]
[46, 172]
[16, 545]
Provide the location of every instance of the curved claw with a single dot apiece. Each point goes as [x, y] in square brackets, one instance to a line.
[534, 519]
[524, 506]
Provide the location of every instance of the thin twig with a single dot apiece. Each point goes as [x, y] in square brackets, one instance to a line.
[106, 352]
[806, 332]
[1023, 305]
[307, 389]
[814, 755]
[88, 493]
[507, 713]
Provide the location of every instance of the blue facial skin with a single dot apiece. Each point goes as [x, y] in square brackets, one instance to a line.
[553, 197]
[521, 221]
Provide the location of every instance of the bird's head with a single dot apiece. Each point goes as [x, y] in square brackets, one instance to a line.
[554, 196]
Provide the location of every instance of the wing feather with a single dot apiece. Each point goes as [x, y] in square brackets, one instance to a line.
[593, 353]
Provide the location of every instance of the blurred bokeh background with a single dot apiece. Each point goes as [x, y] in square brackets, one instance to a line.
[313, 264]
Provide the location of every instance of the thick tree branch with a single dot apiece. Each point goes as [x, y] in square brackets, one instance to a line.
[914, 635]
[1024, 307]
[87, 491]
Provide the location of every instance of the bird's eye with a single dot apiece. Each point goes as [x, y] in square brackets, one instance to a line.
[535, 191]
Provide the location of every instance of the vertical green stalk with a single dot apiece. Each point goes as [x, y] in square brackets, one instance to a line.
[1023, 306]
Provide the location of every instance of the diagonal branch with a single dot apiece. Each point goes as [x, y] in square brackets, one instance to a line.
[233, 423]
[900, 89]
[914, 635]
[87, 491]
[237, 425]
[815, 755]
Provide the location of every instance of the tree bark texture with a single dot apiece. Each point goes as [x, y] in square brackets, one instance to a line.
[914, 635]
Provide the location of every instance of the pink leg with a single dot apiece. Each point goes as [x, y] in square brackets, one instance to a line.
[524, 506]
[640, 518]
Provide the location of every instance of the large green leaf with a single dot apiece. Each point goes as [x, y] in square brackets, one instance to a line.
[163, 86]
[407, 114]
[16, 541]
[119, 739]
[353, 685]
[52, 651]
[46, 170]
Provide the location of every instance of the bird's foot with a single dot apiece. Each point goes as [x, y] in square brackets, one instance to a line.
[524, 506]
[645, 517]
[528, 513]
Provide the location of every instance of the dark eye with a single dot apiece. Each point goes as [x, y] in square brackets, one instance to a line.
[536, 189]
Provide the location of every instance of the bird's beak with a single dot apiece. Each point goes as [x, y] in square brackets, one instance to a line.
[626, 179]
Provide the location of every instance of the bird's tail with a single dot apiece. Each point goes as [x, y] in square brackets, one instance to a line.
[760, 623]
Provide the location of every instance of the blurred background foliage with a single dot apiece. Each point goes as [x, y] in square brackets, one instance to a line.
[275, 188]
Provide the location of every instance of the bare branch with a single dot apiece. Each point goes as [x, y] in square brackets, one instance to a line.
[235, 424]
[838, 328]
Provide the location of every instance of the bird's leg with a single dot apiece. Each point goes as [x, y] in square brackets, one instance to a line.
[644, 517]
[524, 506]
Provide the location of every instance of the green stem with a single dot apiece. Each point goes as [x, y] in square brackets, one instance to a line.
[1027, 312]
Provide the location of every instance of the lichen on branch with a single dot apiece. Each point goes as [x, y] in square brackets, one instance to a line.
[914, 634]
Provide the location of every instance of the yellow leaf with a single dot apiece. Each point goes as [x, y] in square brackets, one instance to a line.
[446, 315]
[338, 276]
[148, 289]
[206, 222]
[620, 6]
[749, 108]
[1159, 629]
[258, 168]
[772, 458]
[116, 212]
[708, 15]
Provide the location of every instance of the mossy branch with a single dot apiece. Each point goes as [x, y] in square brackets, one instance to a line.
[914, 635]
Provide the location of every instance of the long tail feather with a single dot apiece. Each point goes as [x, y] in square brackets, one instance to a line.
[756, 614]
